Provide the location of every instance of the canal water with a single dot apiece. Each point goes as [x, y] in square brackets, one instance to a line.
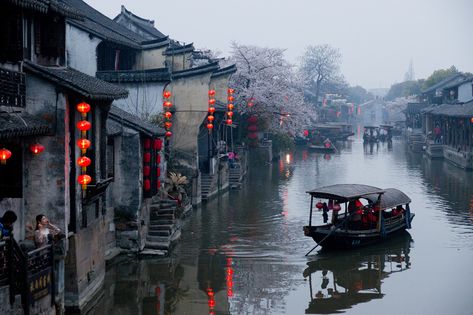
[244, 252]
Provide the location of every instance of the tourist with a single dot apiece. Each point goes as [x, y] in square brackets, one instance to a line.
[45, 231]
[6, 224]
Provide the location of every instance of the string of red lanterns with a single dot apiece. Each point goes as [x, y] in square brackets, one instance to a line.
[211, 117]
[167, 104]
[83, 143]
[230, 106]
[158, 145]
[146, 165]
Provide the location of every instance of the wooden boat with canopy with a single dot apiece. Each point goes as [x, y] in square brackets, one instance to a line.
[370, 215]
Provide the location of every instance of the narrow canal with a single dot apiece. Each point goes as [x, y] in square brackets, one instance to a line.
[243, 253]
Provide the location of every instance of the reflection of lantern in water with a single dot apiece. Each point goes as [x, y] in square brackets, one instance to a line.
[229, 277]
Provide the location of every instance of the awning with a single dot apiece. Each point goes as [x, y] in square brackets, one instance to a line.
[21, 124]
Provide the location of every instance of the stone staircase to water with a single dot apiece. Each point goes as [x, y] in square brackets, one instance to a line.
[416, 142]
[235, 176]
[163, 228]
[205, 185]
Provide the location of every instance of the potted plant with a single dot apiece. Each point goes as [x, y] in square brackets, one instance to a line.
[175, 186]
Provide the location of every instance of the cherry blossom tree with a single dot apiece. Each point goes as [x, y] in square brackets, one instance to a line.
[268, 86]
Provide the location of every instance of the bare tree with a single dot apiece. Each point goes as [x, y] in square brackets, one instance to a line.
[320, 64]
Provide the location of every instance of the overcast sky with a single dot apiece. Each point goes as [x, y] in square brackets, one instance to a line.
[377, 38]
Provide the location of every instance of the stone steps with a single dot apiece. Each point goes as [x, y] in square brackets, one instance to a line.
[162, 228]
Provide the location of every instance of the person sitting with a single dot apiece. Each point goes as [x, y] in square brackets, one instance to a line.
[45, 231]
[397, 211]
[6, 224]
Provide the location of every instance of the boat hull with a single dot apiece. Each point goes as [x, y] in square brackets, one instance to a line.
[326, 237]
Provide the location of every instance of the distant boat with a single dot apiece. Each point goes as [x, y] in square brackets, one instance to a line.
[384, 212]
[325, 147]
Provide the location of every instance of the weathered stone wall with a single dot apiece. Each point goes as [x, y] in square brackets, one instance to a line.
[179, 62]
[5, 307]
[143, 99]
[151, 59]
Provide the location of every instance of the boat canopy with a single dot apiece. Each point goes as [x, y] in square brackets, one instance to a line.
[345, 192]
[391, 198]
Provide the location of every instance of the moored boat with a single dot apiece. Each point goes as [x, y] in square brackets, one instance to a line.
[370, 215]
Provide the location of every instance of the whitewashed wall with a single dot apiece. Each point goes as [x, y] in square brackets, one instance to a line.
[81, 50]
[465, 92]
[143, 99]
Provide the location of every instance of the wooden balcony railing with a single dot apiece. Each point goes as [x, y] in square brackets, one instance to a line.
[12, 88]
[30, 275]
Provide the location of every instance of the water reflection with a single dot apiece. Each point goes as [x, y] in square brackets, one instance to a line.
[338, 282]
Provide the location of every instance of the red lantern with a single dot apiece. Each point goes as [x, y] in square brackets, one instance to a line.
[250, 104]
[471, 119]
[211, 92]
[168, 134]
[230, 114]
[168, 125]
[147, 143]
[4, 156]
[84, 125]
[252, 128]
[229, 121]
[210, 126]
[230, 106]
[158, 184]
[83, 144]
[166, 94]
[252, 135]
[158, 144]
[252, 119]
[319, 205]
[36, 148]
[211, 101]
[211, 110]
[158, 172]
[84, 180]
[146, 170]
[231, 91]
[83, 108]
[147, 184]
[83, 161]
[167, 104]
[147, 157]
[168, 115]
[230, 98]
[158, 159]
[306, 133]
[210, 118]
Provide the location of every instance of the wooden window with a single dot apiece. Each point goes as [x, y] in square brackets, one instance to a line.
[11, 35]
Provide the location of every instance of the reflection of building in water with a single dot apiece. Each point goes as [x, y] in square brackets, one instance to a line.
[339, 281]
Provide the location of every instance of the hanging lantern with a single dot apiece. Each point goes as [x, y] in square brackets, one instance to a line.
[229, 121]
[158, 184]
[230, 106]
[83, 108]
[158, 159]
[250, 104]
[252, 128]
[230, 98]
[84, 125]
[230, 114]
[83, 144]
[252, 135]
[147, 157]
[231, 91]
[147, 184]
[210, 118]
[4, 156]
[166, 94]
[211, 110]
[147, 143]
[211, 92]
[168, 115]
[210, 126]
[83, 161]
[146, 170]
[319, 205]
[158, 172]
[167, 104]
[252, 119]
[84, 180]
[158, 144]
[211, 101]
[471, 119]
[168, 125]
[36, 148]
[168, 134]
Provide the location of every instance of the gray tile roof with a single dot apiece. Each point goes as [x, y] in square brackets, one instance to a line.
[81, 83]
[223, 71]
[176, 48]
[453, 78]
[103, 27]
[145, 25]
[22, 124]
[123, 118]
[153, 75]
[45, 6]
[211, 67]
[459, 82]
[464, 110]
